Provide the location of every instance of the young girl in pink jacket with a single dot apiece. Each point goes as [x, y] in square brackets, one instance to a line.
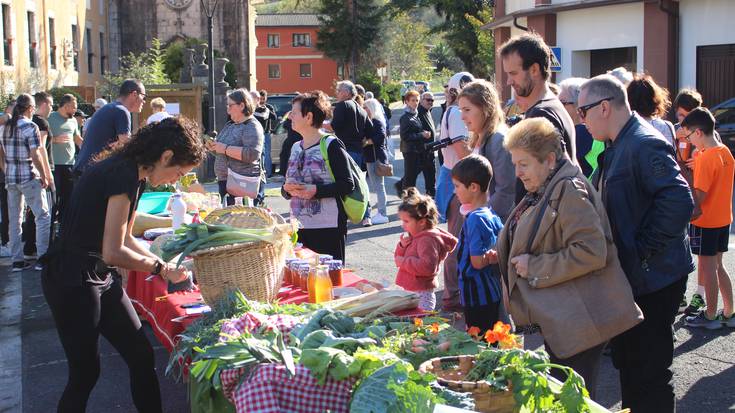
[420, 253]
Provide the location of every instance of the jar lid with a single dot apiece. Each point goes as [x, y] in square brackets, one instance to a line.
[334, 264]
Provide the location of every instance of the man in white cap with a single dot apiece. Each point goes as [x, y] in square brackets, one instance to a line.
[451, 127]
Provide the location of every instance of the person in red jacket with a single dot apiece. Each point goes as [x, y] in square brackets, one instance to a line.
[421, 252]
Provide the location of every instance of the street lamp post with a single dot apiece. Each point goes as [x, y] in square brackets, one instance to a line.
[209, 8]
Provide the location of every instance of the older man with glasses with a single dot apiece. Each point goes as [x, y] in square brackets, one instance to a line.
[649, 205]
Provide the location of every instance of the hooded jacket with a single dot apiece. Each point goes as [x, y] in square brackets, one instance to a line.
[423, 256]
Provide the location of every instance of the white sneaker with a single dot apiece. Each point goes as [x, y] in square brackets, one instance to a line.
[5, 251]
[380, 219]
[366, 222]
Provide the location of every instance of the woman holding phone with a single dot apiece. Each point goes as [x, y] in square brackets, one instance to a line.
[315, 184]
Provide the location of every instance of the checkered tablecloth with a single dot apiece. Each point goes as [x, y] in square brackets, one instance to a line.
[254, 322]
[270, 389]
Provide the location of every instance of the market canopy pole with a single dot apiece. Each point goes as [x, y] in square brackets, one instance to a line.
[210, 8]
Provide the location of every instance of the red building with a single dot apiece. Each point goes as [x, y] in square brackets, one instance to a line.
[287, 59]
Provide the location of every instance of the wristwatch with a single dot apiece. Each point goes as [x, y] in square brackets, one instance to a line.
[157, 268]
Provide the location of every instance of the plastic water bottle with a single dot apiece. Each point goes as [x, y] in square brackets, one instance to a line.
[178, 210]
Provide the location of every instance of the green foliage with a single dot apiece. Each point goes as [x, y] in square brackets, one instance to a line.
[407, 49]
[58, 92]
[347, 32]
[443, 58]
[173, 60]
[289, 6]
[460, 28]
[147, 66]
[392, 389]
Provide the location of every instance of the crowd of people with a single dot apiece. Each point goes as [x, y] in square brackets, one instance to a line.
[575, 218]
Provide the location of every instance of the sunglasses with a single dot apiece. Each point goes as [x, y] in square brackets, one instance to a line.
[582, 110]
[429, 100]
[565, 102]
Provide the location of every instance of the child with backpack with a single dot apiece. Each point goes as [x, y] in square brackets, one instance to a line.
[423, 248]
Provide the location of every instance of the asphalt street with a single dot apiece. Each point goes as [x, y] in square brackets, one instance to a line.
[33, 368]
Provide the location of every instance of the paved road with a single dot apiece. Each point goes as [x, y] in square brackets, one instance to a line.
[704, 364]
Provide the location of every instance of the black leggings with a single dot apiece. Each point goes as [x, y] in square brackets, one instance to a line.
[81, 315]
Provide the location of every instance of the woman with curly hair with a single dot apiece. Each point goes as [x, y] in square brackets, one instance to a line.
[80, 280]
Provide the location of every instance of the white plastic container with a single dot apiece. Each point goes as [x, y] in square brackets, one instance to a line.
[178, 210]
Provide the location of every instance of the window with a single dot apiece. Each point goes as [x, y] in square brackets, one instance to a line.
[274, 40]
[90, 53]
[340, 71]
[7, 37]
[75, 45]
[305, 70]
[301, 40]
[32, 57]
[102, 53]
[101, 7]
[274, 71]
[52, 43]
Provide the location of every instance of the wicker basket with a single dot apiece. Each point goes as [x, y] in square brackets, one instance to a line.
[255, 268]
[451, 371]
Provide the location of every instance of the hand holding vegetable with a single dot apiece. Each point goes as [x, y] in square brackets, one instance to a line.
[174, 273]
[306, 192]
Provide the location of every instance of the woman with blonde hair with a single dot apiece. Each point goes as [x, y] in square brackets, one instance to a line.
[376, 151]
[158, 106]
[481, 111]
[559, 265]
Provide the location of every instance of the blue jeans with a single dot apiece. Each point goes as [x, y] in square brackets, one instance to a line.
[267, 161]
[360, 161]
[377, 185]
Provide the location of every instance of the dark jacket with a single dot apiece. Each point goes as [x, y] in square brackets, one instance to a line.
[349, 123]
[376, 133]
[649, 205]
[427, 122]
[412, 133]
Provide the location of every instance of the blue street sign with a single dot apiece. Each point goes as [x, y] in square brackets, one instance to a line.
[556, 59]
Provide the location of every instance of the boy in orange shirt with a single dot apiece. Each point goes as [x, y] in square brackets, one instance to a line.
[713, 188]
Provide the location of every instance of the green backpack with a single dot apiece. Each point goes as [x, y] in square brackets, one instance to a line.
[356, 202]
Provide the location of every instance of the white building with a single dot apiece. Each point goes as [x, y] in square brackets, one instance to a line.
[681, 43]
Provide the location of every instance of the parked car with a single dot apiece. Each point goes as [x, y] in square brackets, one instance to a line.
[282, 103]
[724, 114]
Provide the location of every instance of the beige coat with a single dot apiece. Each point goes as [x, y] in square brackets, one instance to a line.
[578, 293]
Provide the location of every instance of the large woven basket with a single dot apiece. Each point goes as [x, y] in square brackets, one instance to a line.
[451, 371]
[255, 268]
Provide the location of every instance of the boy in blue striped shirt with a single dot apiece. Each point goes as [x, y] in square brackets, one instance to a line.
[479, 282]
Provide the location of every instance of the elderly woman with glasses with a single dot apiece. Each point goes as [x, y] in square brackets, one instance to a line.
[587, 148]
[560, 269]
[315, 184]
[239, 145]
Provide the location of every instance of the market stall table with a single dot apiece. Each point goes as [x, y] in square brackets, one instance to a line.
[149, 295]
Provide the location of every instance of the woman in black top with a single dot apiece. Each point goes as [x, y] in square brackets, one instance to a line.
[79, 279]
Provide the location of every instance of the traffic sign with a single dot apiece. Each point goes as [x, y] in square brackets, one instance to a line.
[556, 59]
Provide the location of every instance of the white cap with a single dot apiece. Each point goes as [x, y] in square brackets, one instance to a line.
[99, 103]
[459, 80]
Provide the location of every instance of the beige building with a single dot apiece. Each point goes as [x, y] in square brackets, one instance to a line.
[50, 43]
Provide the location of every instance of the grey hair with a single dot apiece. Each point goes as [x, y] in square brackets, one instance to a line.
[606, 86]
[570, 87]
[347, 86]
[622, 74]
[369, 95]
[376, 109]
[425, 94]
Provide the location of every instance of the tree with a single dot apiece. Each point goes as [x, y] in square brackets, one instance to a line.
[443, 57]
[147, 66]
[348, 29]
[407, 49]
[462, 19]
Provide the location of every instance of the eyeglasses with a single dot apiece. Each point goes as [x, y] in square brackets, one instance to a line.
[429, 100]
[143, 95]
[564, 102]
[582, 110]
[687, 138]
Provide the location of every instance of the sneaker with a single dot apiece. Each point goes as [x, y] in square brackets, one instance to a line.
[701, 321]
[38, 267]
[366, 222]
[728, 321]
[5, 251]
[21, 266]
[379, 219]
[683, 306]
[695, 305]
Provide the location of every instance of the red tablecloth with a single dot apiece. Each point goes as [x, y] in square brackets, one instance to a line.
[164, 313]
